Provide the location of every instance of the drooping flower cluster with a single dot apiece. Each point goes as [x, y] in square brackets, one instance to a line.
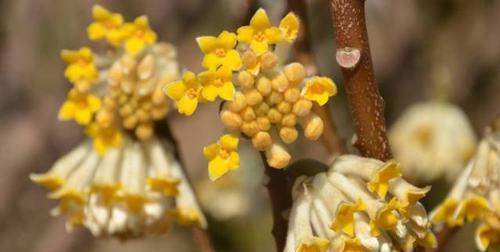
[476, 195]
[424, 139]
[124, 181]
[265, 100]
[360, 204]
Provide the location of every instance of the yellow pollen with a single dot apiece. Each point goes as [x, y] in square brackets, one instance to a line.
[218, 82]
[223, 153]
[139, 33]
[317, 89]
[192, 93]
[221, 52]
[259, 36]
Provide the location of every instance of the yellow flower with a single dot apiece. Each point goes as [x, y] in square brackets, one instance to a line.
[186, 93]
[289, 27]
[319, 89]
[380, 182]
[315, 244]
[80, 107]
[222, 156]
[220, 51]
[344, 220]
[217, 83]
[487, 236]
[138, 35]
[259, 34]
[80, 65]
[104, 137]
[106, 25]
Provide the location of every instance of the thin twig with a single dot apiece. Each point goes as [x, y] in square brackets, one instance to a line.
[199, 234]
[353, 56]
[305, 55]
[281, 201]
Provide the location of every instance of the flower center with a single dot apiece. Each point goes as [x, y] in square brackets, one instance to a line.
[221, 52]
[223, 153]
[317, 89]
[424, 136]
[259, 36]
[139, 33]
[192, 93]
[218, 82]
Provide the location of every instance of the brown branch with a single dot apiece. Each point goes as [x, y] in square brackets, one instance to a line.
[281, 201]
[200, 235]
[305, 55]
[353, 56]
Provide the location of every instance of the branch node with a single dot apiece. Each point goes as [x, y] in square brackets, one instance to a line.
[348, 57]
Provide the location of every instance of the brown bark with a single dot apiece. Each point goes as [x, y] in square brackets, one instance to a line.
[353, 56]
[281, 200]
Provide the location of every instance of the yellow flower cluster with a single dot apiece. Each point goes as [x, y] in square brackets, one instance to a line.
[128, 192]
[265, 100]
[360, 204]
[476, 195]
[120, 90]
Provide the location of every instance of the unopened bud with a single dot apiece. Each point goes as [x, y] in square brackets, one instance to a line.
[250, 128]
[142, 116]
[105, 118]
[126, 110]
[284, 107]
[238, 103]
[280, 83]
[288, 135]
[264, 86]
[160, 112]
[248, 114]
[144, 131]
[292, 95]
[275, 98]
[277, 156]
[274, 115]
[246, 80]
[262, 140]
[130, 122]
[313, 127]
[268, 60]
[146, 67]
[289, 120]
[264, 123]
[295, 73]
[302, 107]
[262, 109]
[158, 97]
[253, 97]
[249, 59]
[231, 120]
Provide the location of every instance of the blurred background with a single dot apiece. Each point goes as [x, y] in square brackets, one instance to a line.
[421, 49]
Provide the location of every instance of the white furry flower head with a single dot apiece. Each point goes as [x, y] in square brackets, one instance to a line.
[359, 204]
[130, 191]
[476, 195]
[425, 140]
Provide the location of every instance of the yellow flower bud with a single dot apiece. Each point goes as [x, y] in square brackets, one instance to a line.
[249, 59]
[292, 95]
[277, 156]
[288, 135]
[231, 120]
[268, 60]
[248, 114]
[144, 131]
[253, 97]
[295, 73]
[289, 120]
[159, 112]
[313, 127]
[264, 86]
[262, 109]
[146, 67]
[262, 140]
[280, 82]
[284, 107]
[130, 122]
[238, 103]
[250, 128]
[274, 98]
[274, 115]
[246, 80]
[302, 107]
[264, 123]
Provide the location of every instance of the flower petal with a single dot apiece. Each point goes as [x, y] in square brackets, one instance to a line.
[207, 43]
[226, 92]
[260, 20]
[229, 142]
[232, 60]
[217, 167]
[175, 90]
[226, 40]
[245, 34]
[187, 105]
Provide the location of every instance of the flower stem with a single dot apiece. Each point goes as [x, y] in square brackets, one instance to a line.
[281, 200]
[305, 55]
[353, 56]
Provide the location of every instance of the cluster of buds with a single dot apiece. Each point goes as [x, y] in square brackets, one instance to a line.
[360, 204]
[120, 90]
[424, 139]
[126, 182]
[130, 191]
[264, 99]
[476, 195]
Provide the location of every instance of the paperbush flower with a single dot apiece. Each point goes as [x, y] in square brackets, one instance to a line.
[81, 69]
[222, 156]
[124, 181]
[186, 93]
[106, 25]
[476, 195]
[424, 139]
[265, 100]
[337, 211]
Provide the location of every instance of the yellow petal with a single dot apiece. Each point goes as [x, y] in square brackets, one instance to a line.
[259, 47]
[187, 105]
[229, 142]
[212, 61]
[96, 31]
[209, 92]
[226, 40]
[245, 34]
[134, 45]
[260, 20]
[94, 103]
[211, 151]
[175, 90]
[67, 111]
[232, 60]
[234, 161]
[83, 116]
[99, 12]
[289, 26]
[226, 92]
[273, 35]
[216, 168]
[207, 44]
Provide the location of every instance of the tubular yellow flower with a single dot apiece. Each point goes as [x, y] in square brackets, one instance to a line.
[186, 93]
[344, 219]
[319, 89]
[81, 67]
[106, 25]
[219, 51]
[217, 83]
[138, 35]
[289, 27]
[79, 107]
[259, 34]
[104, 137]
[222, 156]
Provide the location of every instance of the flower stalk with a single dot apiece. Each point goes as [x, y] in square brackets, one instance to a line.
[353, 56]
